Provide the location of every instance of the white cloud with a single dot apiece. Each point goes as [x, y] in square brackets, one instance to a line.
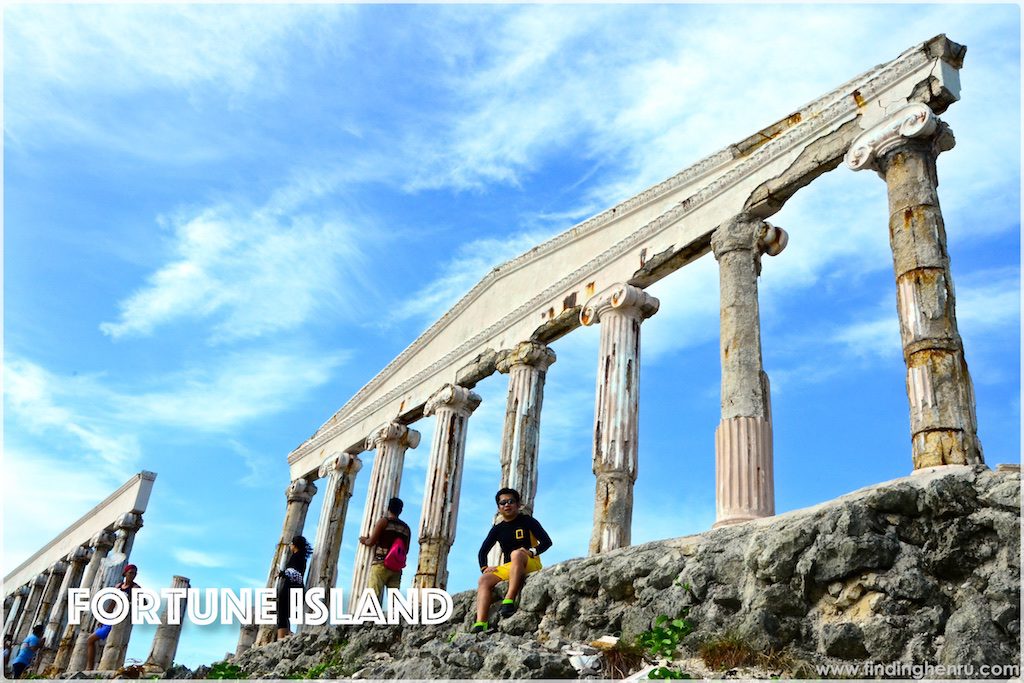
[198, 558]
[251, 274]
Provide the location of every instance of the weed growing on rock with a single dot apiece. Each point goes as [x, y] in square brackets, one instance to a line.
[662, 640]
[622, 659]
[225, 670]
[663, 672]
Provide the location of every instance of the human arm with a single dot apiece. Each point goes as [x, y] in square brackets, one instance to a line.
[543, 540]
[485, 548]
[374, 536]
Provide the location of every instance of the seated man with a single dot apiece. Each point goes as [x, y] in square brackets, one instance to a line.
[522, 540]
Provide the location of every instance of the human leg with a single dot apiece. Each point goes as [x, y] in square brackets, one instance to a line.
[484, 588]
[517, 573]
[377, 579]
[16, 669]
[283, 625]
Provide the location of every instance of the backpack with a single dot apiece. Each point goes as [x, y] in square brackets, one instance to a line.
[395, 559]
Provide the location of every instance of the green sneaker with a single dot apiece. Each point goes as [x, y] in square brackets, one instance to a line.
[478, 627]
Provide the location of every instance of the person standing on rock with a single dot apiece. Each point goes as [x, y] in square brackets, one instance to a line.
[388, 560]
[292, 575]
[126, 586]
[28, 651]
[522, 539]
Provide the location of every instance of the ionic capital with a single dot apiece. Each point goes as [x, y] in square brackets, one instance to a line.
[129, 521]
[300, 491]
[459, 399]
[914, 121]
[339, 463]
[40, 580]
[530, 353]
[59, 568]
[392, 431]
[79, 554]
[104, 540]
[746, 233]
[22, 591]
[623, 297]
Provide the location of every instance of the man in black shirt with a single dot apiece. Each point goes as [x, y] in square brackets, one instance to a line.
[522, 539]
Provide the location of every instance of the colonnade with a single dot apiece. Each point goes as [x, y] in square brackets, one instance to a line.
[902, 149]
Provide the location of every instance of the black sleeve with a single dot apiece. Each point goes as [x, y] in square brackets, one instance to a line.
[543, 540]
[481, 556]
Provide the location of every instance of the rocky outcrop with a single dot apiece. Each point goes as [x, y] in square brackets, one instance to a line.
[924, 569]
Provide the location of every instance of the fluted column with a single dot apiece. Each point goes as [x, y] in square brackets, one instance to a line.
[339, 471]
[903, 149]
[28, 615]
[15, 611]
[390, 441]
[620, 310]
[744, 471]
[116, 645]
[165, 640]
[298, 494]
[54, 625]
[71, 653]
[452, 405]
[526, 366]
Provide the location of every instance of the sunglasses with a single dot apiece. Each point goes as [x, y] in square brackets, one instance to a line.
[506, 501]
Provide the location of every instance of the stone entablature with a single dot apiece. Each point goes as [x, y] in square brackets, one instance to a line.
[131, 497]
[536, 296]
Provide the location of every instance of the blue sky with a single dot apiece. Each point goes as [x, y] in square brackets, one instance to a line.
[221, 221]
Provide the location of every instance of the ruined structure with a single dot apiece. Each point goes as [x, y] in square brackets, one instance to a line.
[91, 553]
[595, 274]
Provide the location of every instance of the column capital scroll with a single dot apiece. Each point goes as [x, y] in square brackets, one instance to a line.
[459, 399]
[619, 296]
[300, 491]
[59, 568]
[530, 353]
[40, 580]
[79, 554]
[392, 431]
[746, 233]
[915, 121]
[104, 540]
[129, 521]
[341, 463]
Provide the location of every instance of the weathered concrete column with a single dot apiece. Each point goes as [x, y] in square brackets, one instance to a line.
[71, 654]
[54, 624]
[54, 579]
[165, 640]
[620, 310]
[298, 494]
[903, 149]
[390, 441]
[16, 609]
[116, 646]
[28, 615]
[339, 470]
[526, 366]
[452, 405]
[744, 471]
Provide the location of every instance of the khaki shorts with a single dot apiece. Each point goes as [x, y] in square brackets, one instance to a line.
[381, 576]
[505, 570]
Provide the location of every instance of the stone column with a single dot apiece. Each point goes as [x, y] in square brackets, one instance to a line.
[903, 149]
[116, 646]
[165, 640]
[390, 441]
[452, 406]
[298, 494]
[15, 610]
[340, 471]
[54, 579]
[620, 309]
[71, 653]
[28, 615]
[54, 625]
[744, 474]
[526, 366]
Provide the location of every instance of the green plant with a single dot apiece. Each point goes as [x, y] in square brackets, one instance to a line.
[225, 670]
[663, 638]
[663, 672]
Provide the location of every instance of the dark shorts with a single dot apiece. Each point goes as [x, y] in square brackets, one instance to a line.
[103, 631]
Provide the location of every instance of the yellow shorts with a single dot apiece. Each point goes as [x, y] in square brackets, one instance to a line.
[505, 570]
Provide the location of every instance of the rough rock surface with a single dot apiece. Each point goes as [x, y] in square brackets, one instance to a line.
[923, 569]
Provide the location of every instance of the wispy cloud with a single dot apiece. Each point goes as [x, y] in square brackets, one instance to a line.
[248, 273]
[198, 558]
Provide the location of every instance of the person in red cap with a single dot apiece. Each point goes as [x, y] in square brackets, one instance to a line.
[127, 585]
